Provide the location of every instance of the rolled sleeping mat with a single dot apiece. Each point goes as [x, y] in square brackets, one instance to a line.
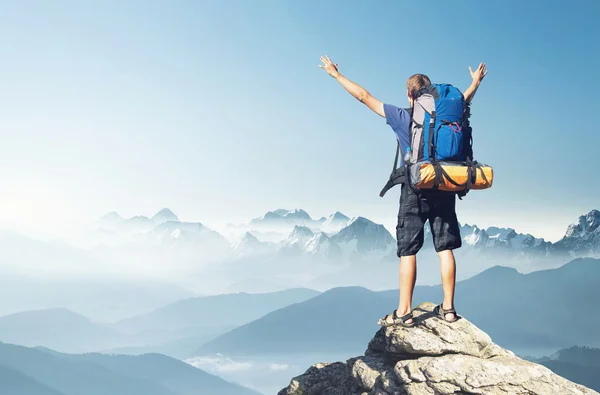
[451, 176]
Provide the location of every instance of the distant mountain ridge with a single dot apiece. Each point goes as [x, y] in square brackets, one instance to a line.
[506, 239]
[15, 382]
[298, 228]
[39, 371]
[289, 248]
[55, 328]
[335, 222]
[583, 236]
[578, 364]
[334, 237]
[164, 215]
[365, 236]
[500, 300]
[188, 233]
[213, 310]
[283, 218]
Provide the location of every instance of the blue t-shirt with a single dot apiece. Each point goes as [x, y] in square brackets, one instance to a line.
[399, 121]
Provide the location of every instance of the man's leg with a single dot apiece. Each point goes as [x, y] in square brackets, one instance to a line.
[407, 280]
[448, 269]
[446, 238]
[409, 234]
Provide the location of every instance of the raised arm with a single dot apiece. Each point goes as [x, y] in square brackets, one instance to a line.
[355, 90]
[477, 77]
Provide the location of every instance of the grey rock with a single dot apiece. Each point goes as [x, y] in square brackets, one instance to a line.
[434, 357]
[326, 379]
[433, 337]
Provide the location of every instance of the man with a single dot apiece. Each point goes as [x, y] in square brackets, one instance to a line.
[416, 209]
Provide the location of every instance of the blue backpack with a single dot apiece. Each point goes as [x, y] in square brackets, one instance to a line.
[439, 131]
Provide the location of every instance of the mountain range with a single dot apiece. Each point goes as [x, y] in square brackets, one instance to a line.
[290, 249]
[102, 298]
[356, 235]
[176, 329]
[282, 249]
[40, 371]
[213, 311]
[520, 311]
[578, 364]
[55, 328]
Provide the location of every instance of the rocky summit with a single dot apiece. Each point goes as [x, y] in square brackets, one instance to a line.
[433, 357]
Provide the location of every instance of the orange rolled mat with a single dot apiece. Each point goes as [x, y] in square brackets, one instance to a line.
[423, 176]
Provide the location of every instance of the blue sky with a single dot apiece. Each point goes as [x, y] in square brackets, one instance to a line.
[219, 111]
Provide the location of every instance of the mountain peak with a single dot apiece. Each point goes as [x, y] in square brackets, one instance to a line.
[583, 236]
[365, 236]
[164, 215]
[298, 214]
[339, 215]
[335, 222]
[501, 233]
[279, 211]
[249, 236]
[300, 230]
[442, 357]
[187, 226]
[249, 244]
[282, 218]
[110, 221]
[360, 221]
[138, 218]
[113, 216]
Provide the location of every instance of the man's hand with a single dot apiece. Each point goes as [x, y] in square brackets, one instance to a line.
[477, 77]
[329, 67]
[355, 90]
[478, 74]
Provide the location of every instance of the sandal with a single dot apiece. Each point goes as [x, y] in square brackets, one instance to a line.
[397, 320]
[440, 312]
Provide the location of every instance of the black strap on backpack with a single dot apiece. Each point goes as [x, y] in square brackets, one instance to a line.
[398, 175]
[468, 151]
[432, 141]
[467, 133]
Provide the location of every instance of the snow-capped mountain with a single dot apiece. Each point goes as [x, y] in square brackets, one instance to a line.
[362, 236]
[583, 236]
[473, 236]
[283, 219]
[164, 215]
[189, 234]
[137, 224]
[508, 237]
[332, 251]
[334, 223]
[295, 233]
[502, 237]
[110, 220]
[300, 236]
[250, 245]
[297, 214]
[321, 245]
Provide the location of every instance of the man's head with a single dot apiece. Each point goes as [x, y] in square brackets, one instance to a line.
[414, 84]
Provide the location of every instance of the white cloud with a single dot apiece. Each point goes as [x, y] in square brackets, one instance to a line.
[219, 364]
[279, 366]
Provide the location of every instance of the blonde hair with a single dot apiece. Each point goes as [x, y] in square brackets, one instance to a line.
[417, 82]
